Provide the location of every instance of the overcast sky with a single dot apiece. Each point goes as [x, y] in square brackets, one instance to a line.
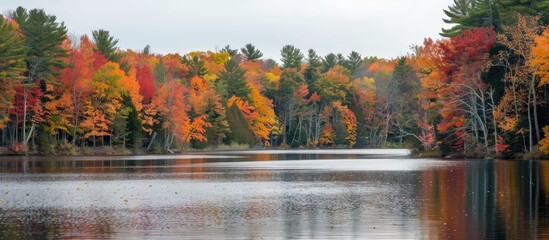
[383, 28]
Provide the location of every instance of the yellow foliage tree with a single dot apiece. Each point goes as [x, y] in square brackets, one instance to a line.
[544, 143]
[540, 53]
[104, 101]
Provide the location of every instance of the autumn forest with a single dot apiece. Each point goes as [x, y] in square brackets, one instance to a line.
[481, 90]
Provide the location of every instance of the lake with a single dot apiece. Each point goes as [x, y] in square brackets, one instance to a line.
[336, 194]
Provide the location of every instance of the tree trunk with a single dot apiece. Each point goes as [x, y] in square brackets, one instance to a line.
[485, 125]
[24, 114]
[534, 101]
[530, 135]
[493, 118]
[152, 141]
[474, 111]
[74, 131]
[26, 140]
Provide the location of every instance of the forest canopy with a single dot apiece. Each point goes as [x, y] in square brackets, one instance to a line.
[479, 91]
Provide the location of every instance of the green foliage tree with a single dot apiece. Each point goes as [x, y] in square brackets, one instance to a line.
[329, 62]
[287, 103]
[160, 72]
[340, 59]
[232, 52]
[196, 66]
[291, 57]
[290, 81]
[43, 37]
[106, 45]
[232, 82]
[335, 84]
[353, 62]
[147, 50]
[402, 97]
[467, 14]
[251, 53]
[510, 9]
[12, 65]
[312, 72]
[240, 129]
[134, 126]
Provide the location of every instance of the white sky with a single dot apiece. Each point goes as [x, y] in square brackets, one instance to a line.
[383, 28]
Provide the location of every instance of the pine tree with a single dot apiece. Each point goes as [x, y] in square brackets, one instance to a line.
[12, 65]
[232, 77]
[402, 95]
[232, 52]
[510, 9]
[312, 72]
[340, 59]
[106, 45]
[329, 62]
[467, 14]
[43, 37]
[353, 62]
[291, 57]
[251, 53]
[196, 66]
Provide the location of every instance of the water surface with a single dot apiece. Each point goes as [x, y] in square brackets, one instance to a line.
[276, 194]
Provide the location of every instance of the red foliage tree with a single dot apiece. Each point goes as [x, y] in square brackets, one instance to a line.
[146, 82]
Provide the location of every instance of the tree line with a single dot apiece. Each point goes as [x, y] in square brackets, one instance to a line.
[480, 91]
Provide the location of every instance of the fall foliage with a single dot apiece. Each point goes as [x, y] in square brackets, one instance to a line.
[481, 91]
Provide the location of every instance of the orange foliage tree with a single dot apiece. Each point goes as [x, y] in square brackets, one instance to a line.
[104, 101]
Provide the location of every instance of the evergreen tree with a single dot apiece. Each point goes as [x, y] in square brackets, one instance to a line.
[402, 96]
[404, 76]
[12, 65]
[467, 14]
[106, 45]
[196, 66]
[134, 127]
[251, 53]
[354, 60]
[510, 9]
[232, 52]
[220, 127]
[457, 14]
[232, 77]
[289, 82]
[312, 72]
[147, 50]
[340, 59]
[285, 102]
[43, 37]
[240, 129]
[291, 57]
[329, 62]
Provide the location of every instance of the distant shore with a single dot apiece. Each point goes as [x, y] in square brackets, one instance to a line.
[122, 151]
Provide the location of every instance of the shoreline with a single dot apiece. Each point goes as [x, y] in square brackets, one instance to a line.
[105, 151]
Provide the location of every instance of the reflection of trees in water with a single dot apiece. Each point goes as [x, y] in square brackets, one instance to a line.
[522, 199]
[54, 166]
[462, 200]
[486, 199]
[45, 223]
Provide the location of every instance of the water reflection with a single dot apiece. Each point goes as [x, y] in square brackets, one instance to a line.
[487, 199]
[274, 195]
